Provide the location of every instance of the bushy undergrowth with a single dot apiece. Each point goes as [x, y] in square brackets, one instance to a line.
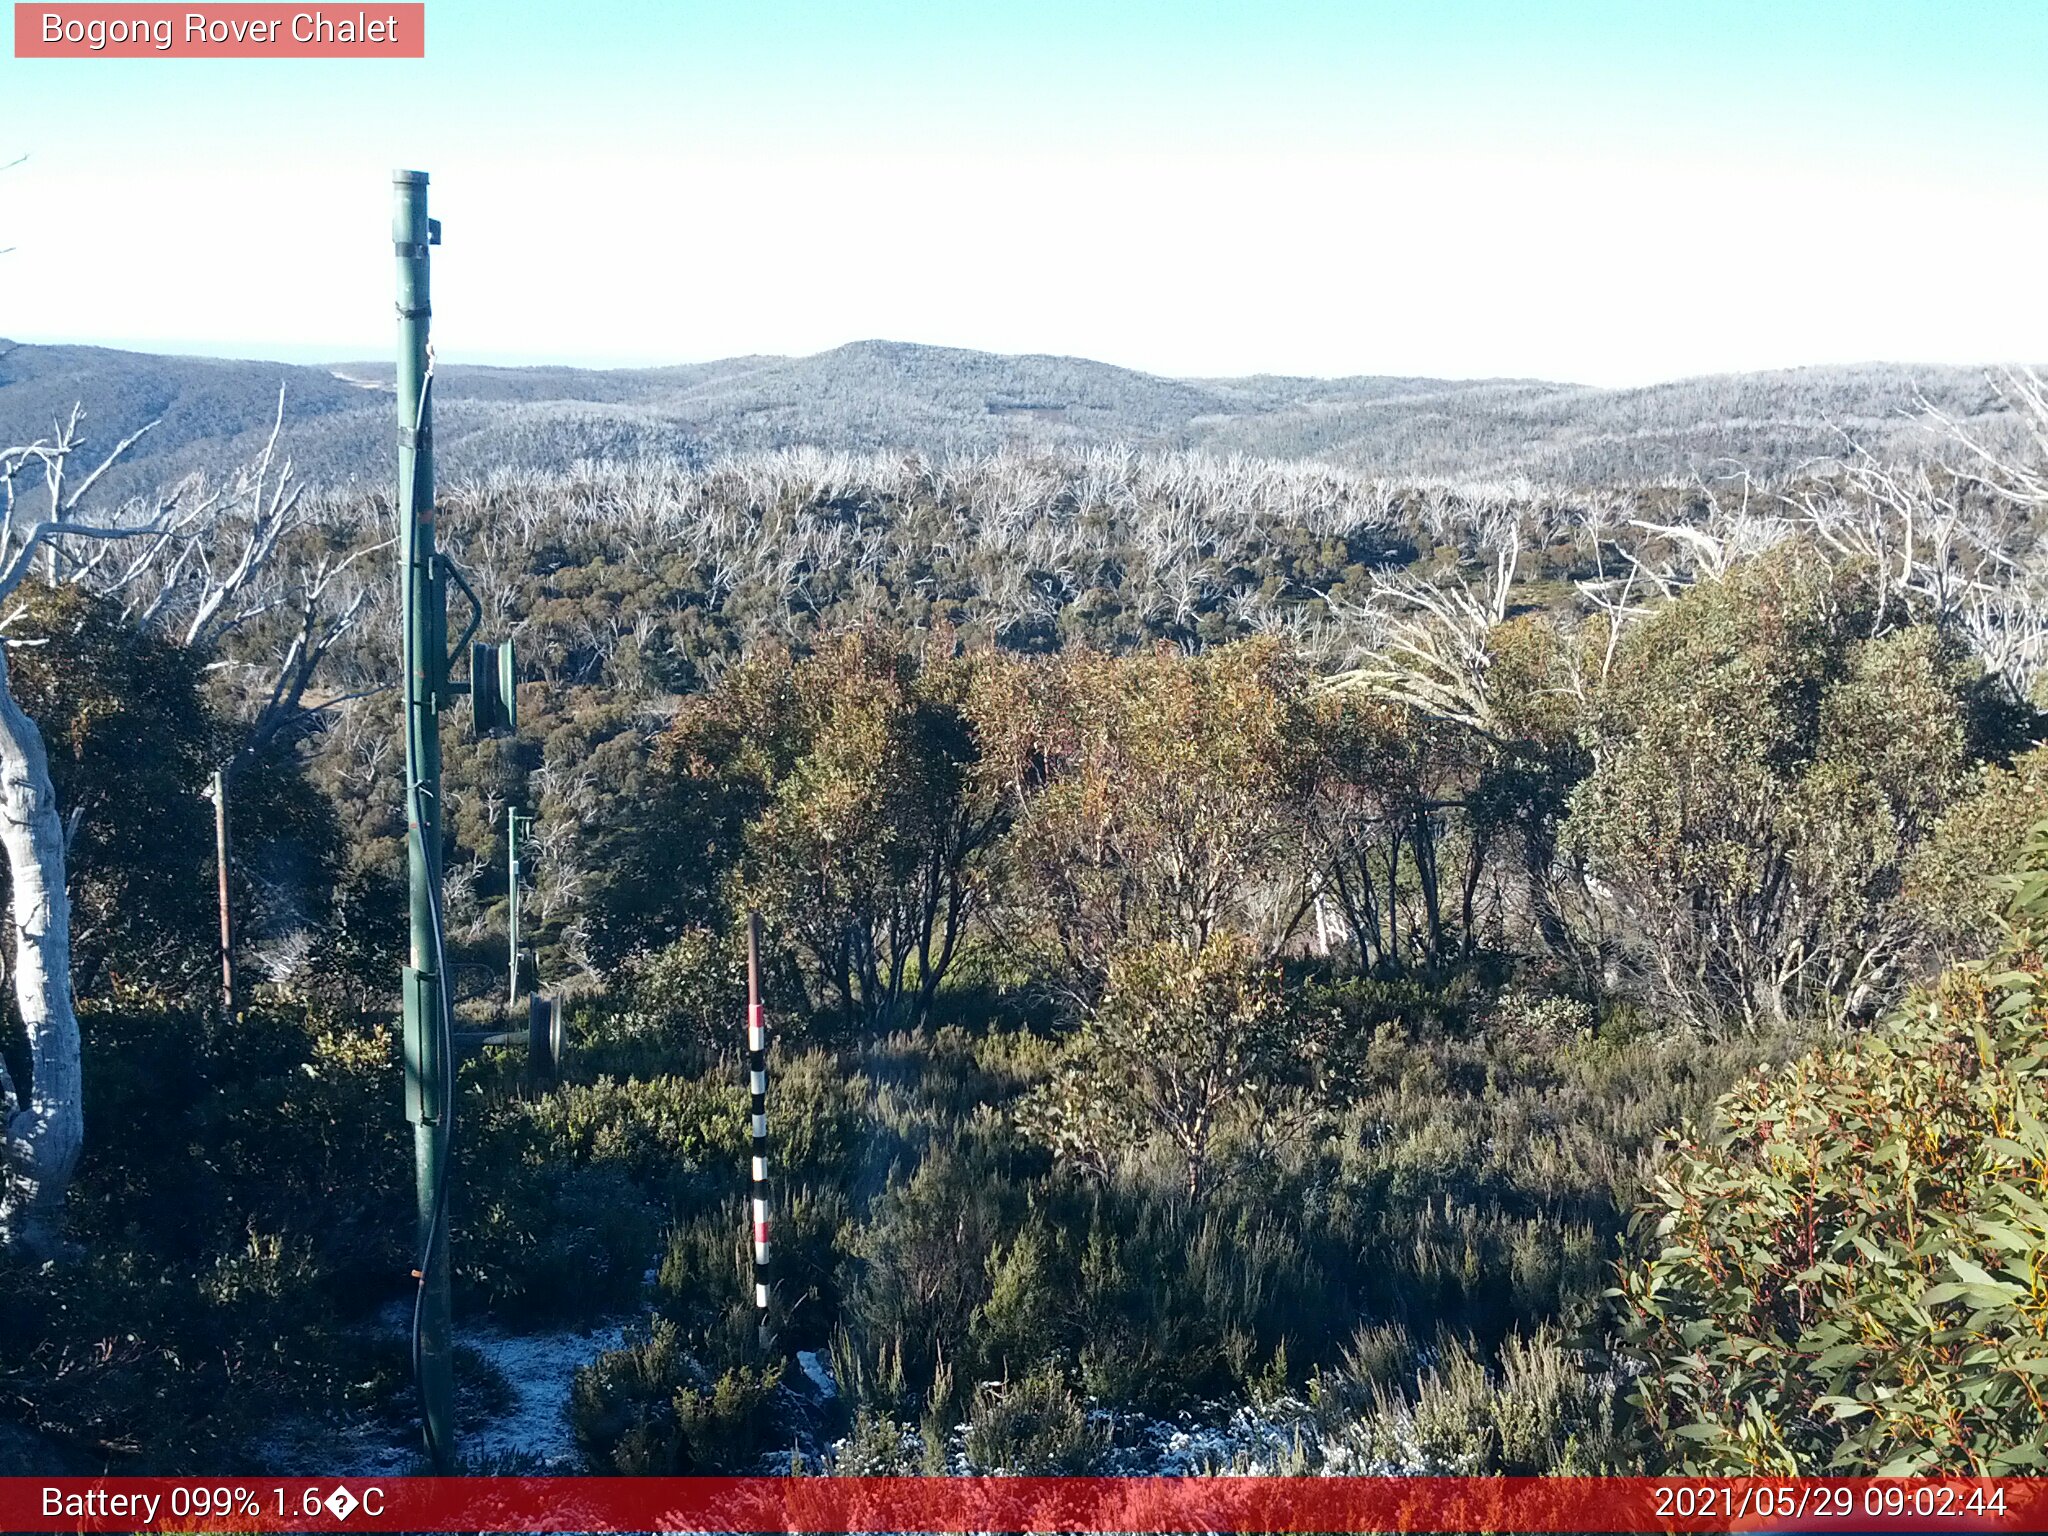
[649, 1409]
[1034, 1427]
[1461, 1184]
[1843, 1266]
[1441, 1411]
[234, 1236]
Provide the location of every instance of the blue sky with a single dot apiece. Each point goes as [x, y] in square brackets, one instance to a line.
[1613, 193]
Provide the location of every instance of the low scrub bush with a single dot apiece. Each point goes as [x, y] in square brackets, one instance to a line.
[1034, 1427]
[552, 1244]
[650, 1410]
[1539, 1412]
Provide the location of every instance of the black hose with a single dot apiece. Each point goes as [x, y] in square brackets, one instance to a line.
[445, 1020]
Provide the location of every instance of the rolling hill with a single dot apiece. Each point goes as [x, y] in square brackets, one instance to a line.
[890, 395]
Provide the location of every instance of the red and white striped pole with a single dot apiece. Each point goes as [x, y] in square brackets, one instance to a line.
[757, 1086]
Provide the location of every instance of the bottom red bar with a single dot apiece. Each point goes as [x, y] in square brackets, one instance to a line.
[1050, 1504]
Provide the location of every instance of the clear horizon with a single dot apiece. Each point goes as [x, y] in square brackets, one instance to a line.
[1609, 195]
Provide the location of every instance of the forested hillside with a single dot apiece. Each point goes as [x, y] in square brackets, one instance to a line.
[889, 396]
[1271, 966]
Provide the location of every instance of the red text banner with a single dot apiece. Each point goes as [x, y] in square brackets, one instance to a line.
[113, 31]
[1049, 1504]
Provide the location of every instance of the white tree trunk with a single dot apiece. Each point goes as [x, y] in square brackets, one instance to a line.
[42, 1133]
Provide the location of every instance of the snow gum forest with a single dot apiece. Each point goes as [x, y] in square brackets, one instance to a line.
[1273, 963]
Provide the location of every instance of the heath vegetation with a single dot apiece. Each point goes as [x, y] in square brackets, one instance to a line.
[1456, 979]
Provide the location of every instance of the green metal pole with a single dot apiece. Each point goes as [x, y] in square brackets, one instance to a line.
[424, 599]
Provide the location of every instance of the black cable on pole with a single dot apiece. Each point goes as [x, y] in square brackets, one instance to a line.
[444, 1020]
[445, 1023]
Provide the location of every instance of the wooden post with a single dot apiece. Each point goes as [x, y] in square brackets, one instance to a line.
[219, 795]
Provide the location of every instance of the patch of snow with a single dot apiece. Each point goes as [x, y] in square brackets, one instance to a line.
[539, 1368]
[820, 1374]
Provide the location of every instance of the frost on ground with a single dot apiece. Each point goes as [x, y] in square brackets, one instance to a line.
[531, 1433]
[1282, 1437]
[538, 1367]
[1250, 1442]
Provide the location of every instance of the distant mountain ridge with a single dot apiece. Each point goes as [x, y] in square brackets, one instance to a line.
[900, 396]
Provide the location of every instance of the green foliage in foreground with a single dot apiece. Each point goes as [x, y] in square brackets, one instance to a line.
[234, 1237]
[644, 1411]
[1850, 1268]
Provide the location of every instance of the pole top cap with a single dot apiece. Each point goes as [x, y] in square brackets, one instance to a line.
[408, 178]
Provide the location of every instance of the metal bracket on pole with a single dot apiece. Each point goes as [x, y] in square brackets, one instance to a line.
[544, 1036]
[423, 1064]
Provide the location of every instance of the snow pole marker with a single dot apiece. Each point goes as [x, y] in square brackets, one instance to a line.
[757, 1089]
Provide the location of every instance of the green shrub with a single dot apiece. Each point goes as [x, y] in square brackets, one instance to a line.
[282, 1122]
[1987, 829]
[820, 1124]
[811, 1228]
[264, 1284]
[1177, 1303]
[1034, 1427]
[1540, 1413]
[723, 1427]
[650, 1129]
[552, 1243]
[1019, 1324]
[669, 1142]
[879, 1446]
[157, 1366]
[1180, 1046]
[696, 987]
[649, 1410]
[1842, 1269]
[1767, 759]
[916, 1272]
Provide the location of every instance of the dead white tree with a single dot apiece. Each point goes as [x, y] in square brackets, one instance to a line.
[1431, 642]
[280, 573]
[43, 1128]
[2023, 480]
[2004, 614]
[1941, 543]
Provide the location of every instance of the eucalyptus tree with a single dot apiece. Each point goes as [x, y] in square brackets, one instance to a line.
[1181, 1043]
[1763, 767]
[1157, 798]
[844, 796]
